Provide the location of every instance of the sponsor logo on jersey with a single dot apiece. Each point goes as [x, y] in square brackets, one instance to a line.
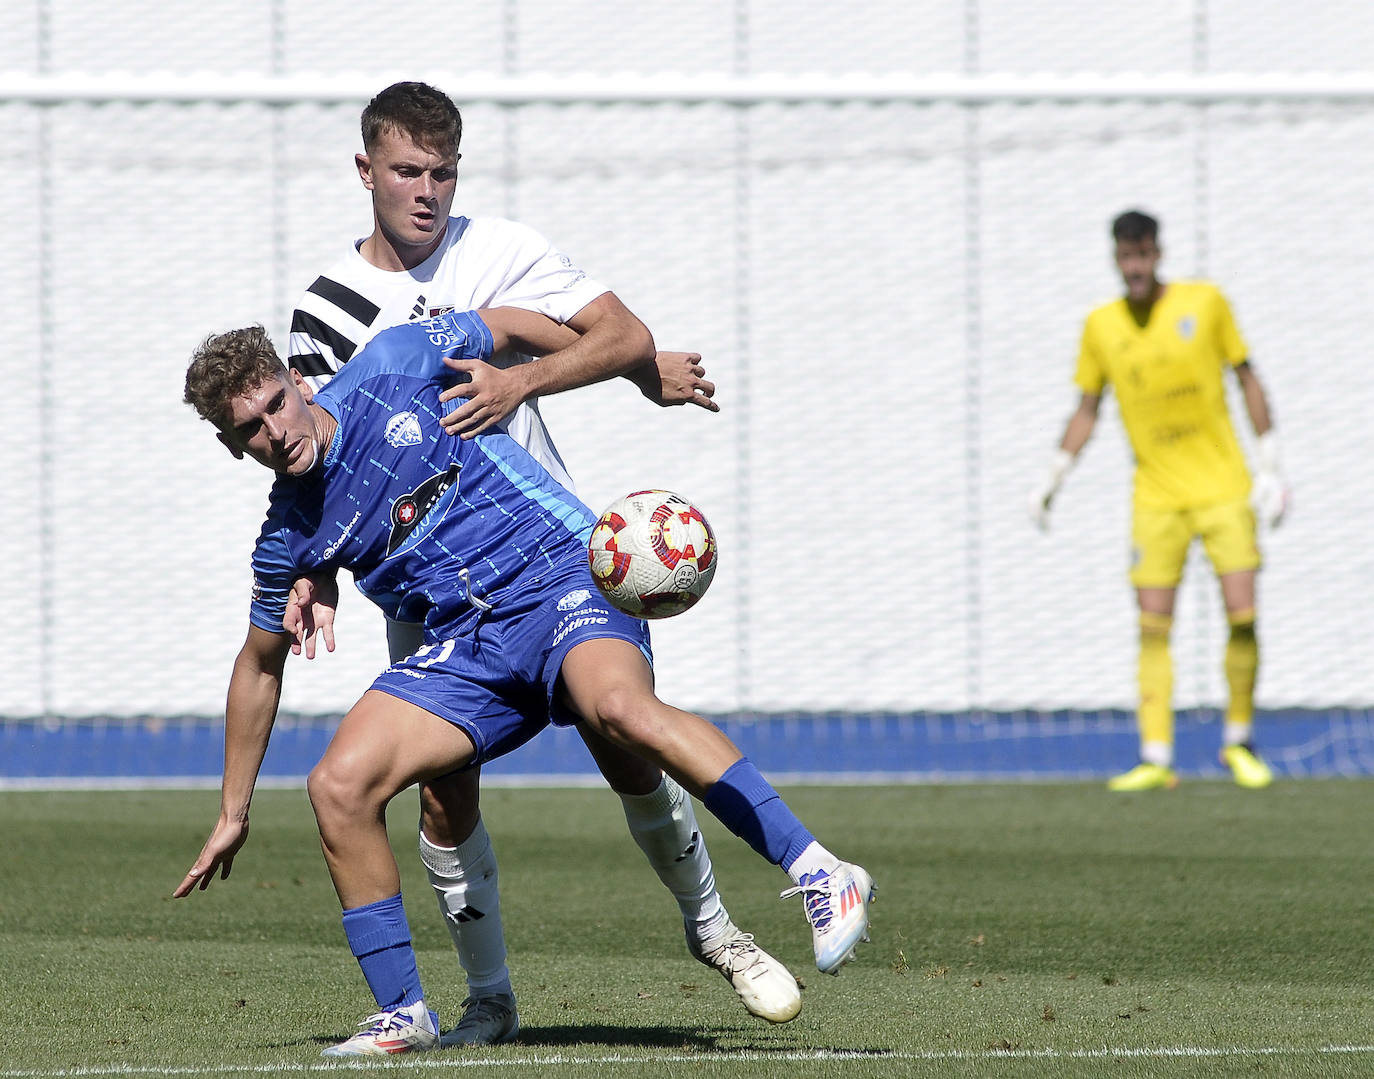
[412, 507]
[1187, 326]
[443, 333]
[333, 548]
[574, 599]
[405, 671]
[581, 621]
[403, 429]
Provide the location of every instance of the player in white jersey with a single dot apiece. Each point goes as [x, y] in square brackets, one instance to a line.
[420, 262]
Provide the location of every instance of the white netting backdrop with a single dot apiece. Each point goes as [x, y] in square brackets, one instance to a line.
[887, 287]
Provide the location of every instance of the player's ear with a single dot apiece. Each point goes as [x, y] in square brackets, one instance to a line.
[229, 445]
[364, 164]
[302, 385]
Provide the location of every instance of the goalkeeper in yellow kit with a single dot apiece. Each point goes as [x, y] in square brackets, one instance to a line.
[1164, 348]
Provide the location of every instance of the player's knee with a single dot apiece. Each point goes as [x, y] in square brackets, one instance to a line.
[625, 715]
[1155, 628]
[338, 789]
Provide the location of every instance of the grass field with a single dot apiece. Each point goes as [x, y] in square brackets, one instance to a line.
[1021, 930]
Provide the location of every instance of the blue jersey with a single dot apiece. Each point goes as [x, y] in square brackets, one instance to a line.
[432, 526]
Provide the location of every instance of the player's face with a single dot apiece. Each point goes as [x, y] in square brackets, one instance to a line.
[1137, 260]
[273, 425]
[412, 193]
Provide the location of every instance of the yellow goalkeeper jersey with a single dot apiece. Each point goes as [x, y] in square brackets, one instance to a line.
[1168, 380]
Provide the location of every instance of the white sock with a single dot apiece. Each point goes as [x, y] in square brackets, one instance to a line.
[1160, 753]
[464, 880]
[1237, 734]
[813, 859]
[664, 825]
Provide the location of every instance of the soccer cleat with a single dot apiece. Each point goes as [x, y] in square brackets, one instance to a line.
[1246, 767]
[1144, 777]
[836, 905]
[766, 987]
[402, 1030]
[488, 1020]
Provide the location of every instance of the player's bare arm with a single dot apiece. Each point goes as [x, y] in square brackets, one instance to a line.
[675, 378]
[609, 341]
[1256, 402]
[250, 711]
[1080, 426]
[493, 393]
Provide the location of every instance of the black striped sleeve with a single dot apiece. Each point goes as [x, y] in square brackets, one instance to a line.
[310, 364]
[353, 304]
[317, 330]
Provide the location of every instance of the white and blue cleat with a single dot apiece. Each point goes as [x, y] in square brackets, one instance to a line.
[401, 1030]
[836, 905]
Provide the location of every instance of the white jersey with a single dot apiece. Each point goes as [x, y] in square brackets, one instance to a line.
[481, 262]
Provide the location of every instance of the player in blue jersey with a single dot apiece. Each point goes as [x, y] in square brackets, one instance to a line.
[478, 543]
[420, 260]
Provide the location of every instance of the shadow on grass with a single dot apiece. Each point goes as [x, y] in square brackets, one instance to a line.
[720, 1040]
[656, 1037]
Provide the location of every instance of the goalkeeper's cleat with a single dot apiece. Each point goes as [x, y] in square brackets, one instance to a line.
[402, 1030]
[487, 1020]
[837, 907]
[765, 987]
[1144, 777]
[1246, 767]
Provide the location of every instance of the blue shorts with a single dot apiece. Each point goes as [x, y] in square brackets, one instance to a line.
[493, 673]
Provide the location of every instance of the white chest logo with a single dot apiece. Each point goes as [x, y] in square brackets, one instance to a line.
[403, 430]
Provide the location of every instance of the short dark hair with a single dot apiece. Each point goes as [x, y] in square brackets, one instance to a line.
[417, 110]
[1134, 227]
[226, 366]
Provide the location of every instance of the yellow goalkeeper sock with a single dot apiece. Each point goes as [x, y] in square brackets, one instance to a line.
[1156, 715]
[1242, 665]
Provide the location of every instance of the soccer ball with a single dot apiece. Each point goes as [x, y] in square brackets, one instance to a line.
[652, 554]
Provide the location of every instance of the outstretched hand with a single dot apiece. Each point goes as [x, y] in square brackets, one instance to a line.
[682, 380]
[492, 393]
[309, 611]
[217, 854]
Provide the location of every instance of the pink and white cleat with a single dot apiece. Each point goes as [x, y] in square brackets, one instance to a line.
[403, 1030]
[836, 905]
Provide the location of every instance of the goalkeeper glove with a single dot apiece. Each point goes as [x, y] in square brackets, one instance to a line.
[1042, 494]
[1268, 493]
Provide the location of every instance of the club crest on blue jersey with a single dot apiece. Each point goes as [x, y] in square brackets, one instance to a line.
[403, 429]
[410, 510]
[574, 599]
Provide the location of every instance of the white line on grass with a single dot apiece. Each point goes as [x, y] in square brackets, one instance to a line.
[718, 1056]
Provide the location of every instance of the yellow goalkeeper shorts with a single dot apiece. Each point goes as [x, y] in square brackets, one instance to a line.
[1160, 541]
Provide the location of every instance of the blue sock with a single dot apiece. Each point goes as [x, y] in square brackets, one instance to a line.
[747, 804]
[379, 937]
